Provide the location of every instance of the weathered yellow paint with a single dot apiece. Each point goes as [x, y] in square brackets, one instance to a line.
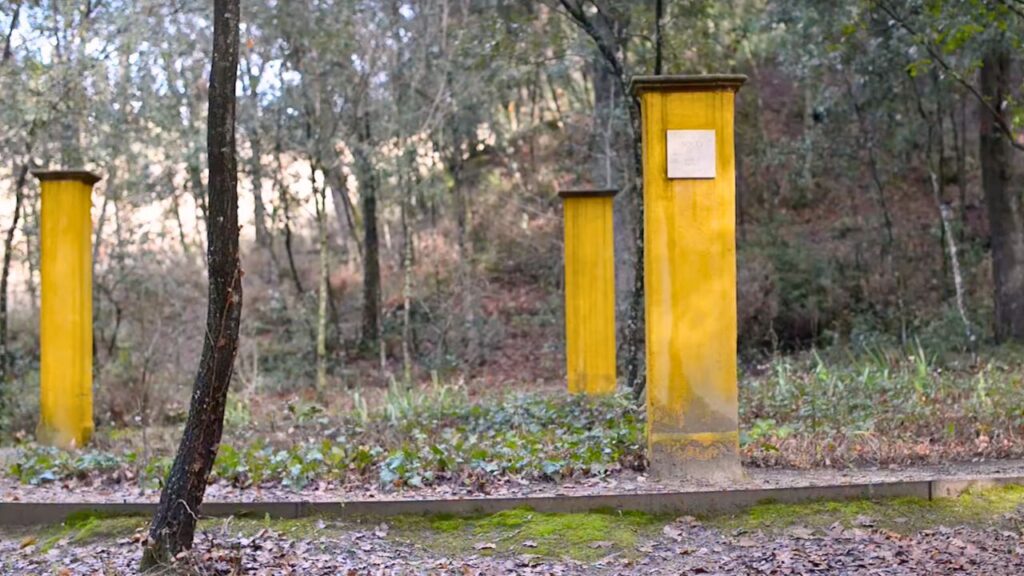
[65, 324]
[589, 291]
[690, 282]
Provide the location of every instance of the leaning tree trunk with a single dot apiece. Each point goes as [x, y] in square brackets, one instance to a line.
[1005, 212]
[174, 524]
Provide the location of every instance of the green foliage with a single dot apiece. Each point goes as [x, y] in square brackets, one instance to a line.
[39, 464]
[415, 439]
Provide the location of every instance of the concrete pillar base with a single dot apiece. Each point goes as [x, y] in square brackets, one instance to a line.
[712, 456]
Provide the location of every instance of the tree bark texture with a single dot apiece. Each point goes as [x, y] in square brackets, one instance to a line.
[173, 525]
[371, 242]
[1003, 199]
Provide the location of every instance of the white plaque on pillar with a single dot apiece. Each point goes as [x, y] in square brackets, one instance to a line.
[691, 153]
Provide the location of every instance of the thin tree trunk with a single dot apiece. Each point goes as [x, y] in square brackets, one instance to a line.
[199, 195]
[954, 260]
[807, 165]
[407, 263]
[10, 33]
[1005, 212]
[320, 198]
[406, 296]
[345, 212]
[19, 186]
[935, 128]
[470, 335]
[256, 173]
[256, 159]
[174, 523]
[182, 239]
[31, 256]
[659, 39]
[284, 197]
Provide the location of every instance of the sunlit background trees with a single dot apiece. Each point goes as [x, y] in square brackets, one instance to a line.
[399, 161]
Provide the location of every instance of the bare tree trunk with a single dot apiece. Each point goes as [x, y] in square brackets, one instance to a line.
[320, 198]
[470, 335]
[960, 151]
[19, 186]
[659, 39]
[371, 243]
[10, 33]
[182, 239]
[807, 165]
[256, 173]
[174, 523]
[935, 171]
[199, 195]
[407, 250]
[256, 159]
[1005, 212]
[345, 212]
[954, 260]
[284, 197]
[636, 378]
[31, 207]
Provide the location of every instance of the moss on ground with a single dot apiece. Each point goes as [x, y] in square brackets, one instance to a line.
[901, 515]
[294, 528]
[85, 527]
[584, 537]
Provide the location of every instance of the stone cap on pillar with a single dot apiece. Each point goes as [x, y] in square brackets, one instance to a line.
[686, 83]
[588, 193]
[83, 176]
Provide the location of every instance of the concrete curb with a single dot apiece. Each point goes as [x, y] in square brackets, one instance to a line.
[693, 503]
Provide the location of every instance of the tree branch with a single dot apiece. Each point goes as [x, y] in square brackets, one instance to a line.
[10, 33]
[1000, 121]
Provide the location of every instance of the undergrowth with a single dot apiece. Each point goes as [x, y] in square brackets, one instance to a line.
[416, 440]
[879, 405]
[883, 405]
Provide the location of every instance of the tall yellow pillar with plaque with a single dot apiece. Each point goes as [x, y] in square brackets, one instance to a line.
[690, 274]
[589, 291]
[65, 323]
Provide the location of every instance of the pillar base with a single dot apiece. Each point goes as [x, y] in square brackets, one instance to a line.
[712, 456]
[50, 436]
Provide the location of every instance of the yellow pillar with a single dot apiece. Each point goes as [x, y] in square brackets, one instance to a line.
[65, 324]
[690, 274]
[589, 291]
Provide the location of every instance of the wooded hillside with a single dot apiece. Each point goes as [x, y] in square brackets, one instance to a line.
[399, 163]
